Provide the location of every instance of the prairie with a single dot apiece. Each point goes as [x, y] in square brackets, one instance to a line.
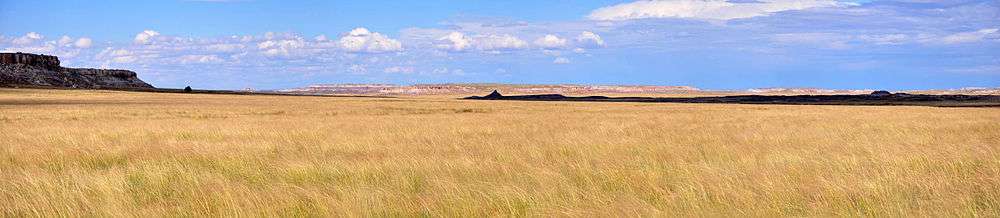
[123, 154]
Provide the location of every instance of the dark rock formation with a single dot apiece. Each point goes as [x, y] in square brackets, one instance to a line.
[44, 61]
[880, 93]
[22, 69]
[495, 94]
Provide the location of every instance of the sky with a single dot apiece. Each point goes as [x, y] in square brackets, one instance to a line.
[709, 44]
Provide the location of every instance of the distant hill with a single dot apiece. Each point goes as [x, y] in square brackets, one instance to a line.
[570, 89]
[473, 88]
[34, 70]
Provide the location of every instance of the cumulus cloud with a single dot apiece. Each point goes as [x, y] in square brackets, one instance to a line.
[591, 39]
[65, 47]
[46, 48]
[886, 39]
[499, 42]
[65, 41]
[283, 47]
[966, 37]
[561, 60]
[199, 59]
[28, 38]
[362, 40]
[83, 42]
[121, 52]
[550, 41]
[145, 36]
[705, 9]
[111, 55]
[357, 69]
[455, 41]
[398, 69]
[226, 47]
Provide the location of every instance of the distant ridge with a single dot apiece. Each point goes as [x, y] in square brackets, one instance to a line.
[472, 88]
[34, 70]
[570, 89]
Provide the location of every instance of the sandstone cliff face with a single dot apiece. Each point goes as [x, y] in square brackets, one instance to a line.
[43, 61]
[21, 69]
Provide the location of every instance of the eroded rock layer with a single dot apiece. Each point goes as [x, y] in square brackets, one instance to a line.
[22, 69]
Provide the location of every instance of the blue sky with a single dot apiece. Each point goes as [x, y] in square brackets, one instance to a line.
[710, 44]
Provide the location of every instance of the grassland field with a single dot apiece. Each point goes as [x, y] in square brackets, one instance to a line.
[127, 154]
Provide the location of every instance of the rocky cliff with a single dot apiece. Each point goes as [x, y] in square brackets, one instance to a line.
[22, 69]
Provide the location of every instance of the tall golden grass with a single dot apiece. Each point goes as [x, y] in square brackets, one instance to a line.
[103, 153]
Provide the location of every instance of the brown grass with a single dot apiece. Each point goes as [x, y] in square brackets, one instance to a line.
[103, 153]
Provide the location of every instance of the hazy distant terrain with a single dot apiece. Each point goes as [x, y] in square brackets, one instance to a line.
[108, 153]
[572, 89]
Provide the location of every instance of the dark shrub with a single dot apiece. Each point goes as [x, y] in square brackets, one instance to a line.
[187, 89]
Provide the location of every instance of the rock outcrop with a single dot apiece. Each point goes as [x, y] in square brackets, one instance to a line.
[494, 94]
[22, 69]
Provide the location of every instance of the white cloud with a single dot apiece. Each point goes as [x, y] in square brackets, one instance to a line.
[284, 47]
[579, 50]
[456, 41]
[125, 59]
[199, 59]
[65, 41]
[446, 71]
[965, 37]
[885, 39]
[34, 35]
[136, 54]
[321, 38]
[117, 56]
[398, 69]
[587, 38]
[823, 40]
[561, 60]
[705, 9]
[121, 52]
[145, 36]
[64, 47]
[47, 48]
[358, 69]
[550, 41]
[226, 47]
[362, 40]
[498, 42]
[28, 38]
[83, 42]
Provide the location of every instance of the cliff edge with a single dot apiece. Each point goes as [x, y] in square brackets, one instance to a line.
[23, 69]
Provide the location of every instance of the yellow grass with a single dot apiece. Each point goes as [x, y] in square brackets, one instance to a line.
[102, 153]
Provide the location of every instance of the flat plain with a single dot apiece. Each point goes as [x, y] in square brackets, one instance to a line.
[118, 154]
